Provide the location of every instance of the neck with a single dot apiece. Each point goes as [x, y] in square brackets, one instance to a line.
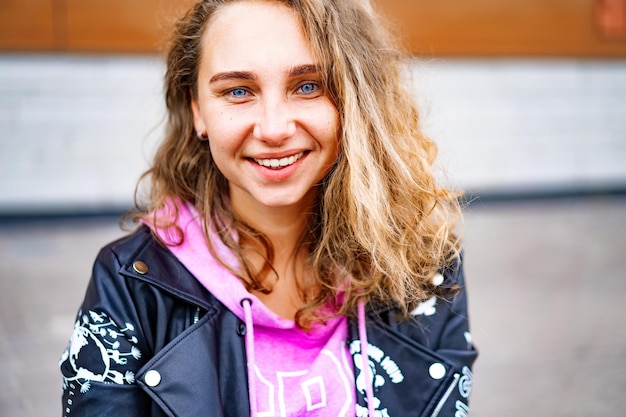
[283, 226]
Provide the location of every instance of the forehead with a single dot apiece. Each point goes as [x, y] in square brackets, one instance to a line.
[255, 32]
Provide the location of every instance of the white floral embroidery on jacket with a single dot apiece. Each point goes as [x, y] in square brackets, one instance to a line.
[99, 343]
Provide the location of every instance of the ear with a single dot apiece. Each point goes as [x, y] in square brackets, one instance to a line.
[198, 122]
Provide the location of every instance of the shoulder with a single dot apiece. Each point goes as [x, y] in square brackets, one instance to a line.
[422, 362]
[122, 250]
[112, 257]
[139, 300]
[139, 259]
[438, 324]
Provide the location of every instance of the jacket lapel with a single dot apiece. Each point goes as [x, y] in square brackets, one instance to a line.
[200, 373]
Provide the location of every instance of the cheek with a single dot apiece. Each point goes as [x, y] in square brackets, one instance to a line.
[224, 134]
[221, 144]
[222, 152]
[221, 158]
[228, 125]
[323, 117]
[332, 129]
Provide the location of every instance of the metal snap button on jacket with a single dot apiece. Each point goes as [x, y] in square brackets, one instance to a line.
[140, 267]
[152, 378]
[437, 279]
[437, 370]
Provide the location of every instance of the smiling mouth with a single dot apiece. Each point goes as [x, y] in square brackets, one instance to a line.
[279, 163]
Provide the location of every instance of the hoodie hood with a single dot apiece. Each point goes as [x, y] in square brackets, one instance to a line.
[194, 254]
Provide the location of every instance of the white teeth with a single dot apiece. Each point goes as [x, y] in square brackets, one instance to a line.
[279, 163]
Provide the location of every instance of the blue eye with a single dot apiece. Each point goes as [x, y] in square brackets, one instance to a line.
[238, 92]
[307, 88]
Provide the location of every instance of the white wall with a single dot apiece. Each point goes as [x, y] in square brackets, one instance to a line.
[509, 126]
[77, 131]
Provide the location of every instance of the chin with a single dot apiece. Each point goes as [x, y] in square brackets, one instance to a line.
[287, 199]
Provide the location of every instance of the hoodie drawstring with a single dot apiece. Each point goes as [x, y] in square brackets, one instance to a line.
[369, 378]
[246, 303]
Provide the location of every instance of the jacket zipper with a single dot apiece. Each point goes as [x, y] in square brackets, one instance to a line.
[196, 315]
[445, 397]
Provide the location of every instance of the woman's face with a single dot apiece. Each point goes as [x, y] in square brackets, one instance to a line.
[273, 131]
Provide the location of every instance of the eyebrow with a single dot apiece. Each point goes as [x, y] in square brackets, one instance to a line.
[246, 75]
[304, 70]
[232, 75]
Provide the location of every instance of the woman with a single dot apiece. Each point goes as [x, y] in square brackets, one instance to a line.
[296, 256]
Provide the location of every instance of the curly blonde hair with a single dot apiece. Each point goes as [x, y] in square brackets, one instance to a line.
[382, 226]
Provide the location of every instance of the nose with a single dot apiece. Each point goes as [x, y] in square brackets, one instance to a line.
[275, 122]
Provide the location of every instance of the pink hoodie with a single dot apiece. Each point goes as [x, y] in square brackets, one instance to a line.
[291, 372]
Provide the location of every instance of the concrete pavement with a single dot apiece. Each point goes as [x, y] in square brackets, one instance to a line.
[547, 289]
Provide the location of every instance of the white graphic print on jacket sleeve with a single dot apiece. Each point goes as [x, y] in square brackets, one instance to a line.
[465, 383]
[426, 307]
[98, 350]
[377, 358]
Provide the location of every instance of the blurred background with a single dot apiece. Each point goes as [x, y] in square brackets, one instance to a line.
[526, 99]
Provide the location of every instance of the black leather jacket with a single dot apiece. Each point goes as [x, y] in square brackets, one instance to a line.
[150, 340]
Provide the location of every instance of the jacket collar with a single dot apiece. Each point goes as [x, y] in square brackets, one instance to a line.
[155, 264]
[203, 370]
